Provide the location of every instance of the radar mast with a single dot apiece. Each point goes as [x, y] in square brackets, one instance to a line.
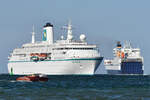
[33, 34]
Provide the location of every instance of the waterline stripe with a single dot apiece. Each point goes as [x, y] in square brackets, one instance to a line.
[100, 58]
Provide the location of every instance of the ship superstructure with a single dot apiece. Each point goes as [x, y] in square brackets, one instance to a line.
[127, 60]
[64, 56]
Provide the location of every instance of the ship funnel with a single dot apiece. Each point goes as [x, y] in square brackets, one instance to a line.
[118, 44]
[48, 33]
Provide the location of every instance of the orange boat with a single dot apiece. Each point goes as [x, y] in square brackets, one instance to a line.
[33, 78]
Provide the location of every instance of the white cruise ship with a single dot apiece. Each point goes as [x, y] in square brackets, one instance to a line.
[61, 57]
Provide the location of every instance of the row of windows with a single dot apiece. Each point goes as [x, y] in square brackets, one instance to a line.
[33, 46]
[74, 49]
[19, 55]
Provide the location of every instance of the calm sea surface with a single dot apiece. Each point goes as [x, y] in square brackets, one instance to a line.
[98, 87]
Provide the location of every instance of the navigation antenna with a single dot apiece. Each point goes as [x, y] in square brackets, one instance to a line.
[33, 34]
[127, 45]
[69, 32]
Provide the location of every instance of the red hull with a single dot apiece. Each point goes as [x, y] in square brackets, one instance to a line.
[32, 78]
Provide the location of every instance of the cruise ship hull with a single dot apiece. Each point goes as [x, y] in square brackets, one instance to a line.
[82, 66]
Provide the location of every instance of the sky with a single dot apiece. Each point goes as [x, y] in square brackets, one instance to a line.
[104, 22]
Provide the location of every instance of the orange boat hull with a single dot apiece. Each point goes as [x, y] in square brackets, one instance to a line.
[32, 78]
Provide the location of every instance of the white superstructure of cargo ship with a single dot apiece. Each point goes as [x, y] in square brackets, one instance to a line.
[62, 57]
[127, 60]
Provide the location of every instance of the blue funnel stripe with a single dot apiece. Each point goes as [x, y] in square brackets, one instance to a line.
[44, 37]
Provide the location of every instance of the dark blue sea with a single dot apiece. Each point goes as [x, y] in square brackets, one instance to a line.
[97, 87]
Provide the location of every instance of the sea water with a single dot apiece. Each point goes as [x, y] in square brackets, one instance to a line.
[76, 87]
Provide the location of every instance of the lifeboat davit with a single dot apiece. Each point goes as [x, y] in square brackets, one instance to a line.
[33, 78]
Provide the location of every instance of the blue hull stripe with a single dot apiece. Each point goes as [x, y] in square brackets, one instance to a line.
[99, 58]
